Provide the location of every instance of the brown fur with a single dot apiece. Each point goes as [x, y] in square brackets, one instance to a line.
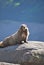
[17, 38]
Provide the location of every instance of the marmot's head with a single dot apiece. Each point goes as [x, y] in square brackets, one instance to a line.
[24, 29]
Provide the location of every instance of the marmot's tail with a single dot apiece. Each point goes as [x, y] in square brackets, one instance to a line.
[1, 44]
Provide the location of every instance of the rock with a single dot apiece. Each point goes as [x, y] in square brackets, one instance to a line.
[28, 53]
[4, 63]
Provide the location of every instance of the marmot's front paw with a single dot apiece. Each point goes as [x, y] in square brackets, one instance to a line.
[24, 42]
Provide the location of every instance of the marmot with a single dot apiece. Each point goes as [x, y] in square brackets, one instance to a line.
[17, 38]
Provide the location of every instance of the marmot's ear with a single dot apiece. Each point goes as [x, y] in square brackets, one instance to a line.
[21, 28]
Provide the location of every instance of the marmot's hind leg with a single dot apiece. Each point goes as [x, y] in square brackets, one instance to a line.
[1, 45]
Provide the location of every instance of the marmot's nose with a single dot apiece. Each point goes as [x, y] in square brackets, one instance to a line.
[26, 29]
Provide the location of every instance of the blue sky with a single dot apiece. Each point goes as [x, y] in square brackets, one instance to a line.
[22, 10]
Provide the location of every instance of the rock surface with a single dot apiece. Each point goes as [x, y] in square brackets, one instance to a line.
[28, 53]
[4, 63]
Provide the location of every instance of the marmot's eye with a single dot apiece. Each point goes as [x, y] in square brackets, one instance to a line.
[23, 27]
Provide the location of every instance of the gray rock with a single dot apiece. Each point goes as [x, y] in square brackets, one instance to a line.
[28, 53]
[4, 63]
